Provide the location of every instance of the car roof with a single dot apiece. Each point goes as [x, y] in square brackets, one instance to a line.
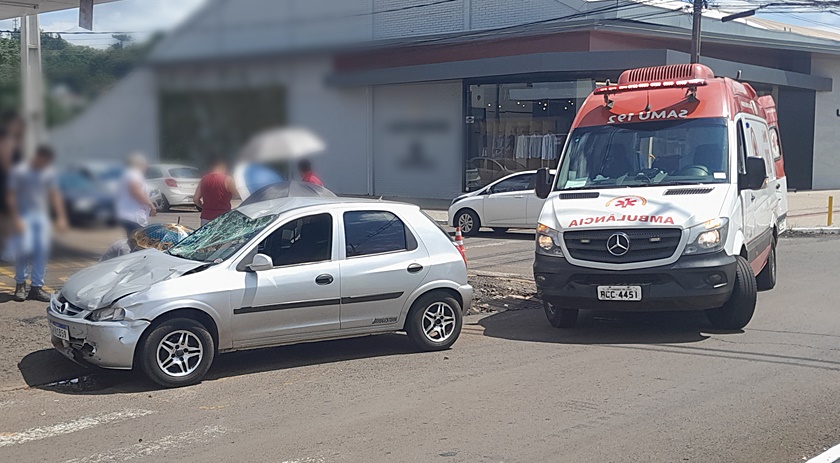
[172, 166]
[283, 205]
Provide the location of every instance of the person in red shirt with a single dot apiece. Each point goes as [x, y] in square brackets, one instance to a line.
[214, 192]
[306, 174]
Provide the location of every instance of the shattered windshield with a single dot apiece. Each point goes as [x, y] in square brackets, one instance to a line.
[221, 238]
[674, 152]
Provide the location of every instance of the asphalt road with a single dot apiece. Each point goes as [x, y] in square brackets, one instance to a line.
[640, 387]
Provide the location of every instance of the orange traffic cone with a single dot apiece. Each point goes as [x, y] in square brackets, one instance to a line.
[459, 243]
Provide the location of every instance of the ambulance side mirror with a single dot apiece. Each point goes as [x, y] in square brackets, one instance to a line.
[543, 186]
[756, 175]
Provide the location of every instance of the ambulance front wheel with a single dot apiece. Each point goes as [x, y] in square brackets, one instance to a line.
[560, 318]
[739, 309]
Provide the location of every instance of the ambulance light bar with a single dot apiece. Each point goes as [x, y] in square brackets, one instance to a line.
[638, 86]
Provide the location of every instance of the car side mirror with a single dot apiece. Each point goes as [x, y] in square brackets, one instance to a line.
[756, 175]
[543, 185]
[260, 263]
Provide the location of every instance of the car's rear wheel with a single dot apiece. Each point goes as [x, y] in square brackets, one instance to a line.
[434, 321]
[739, 309]
[468, 221]
[560, 318]
[766, 279]
[177, 353]
[165, 206]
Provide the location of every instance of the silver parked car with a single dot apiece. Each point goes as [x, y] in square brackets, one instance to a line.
[271, 273]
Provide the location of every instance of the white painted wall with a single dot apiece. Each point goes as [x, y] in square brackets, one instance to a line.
[827, 127]
[342, 117]
[418, 140]
[123, 120]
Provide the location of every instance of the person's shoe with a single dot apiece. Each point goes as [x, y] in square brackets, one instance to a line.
[20, 292]
[37, 293]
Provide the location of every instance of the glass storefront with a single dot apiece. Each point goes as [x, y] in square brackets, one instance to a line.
[519, 126]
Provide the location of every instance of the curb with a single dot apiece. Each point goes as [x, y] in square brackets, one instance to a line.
[800, 231]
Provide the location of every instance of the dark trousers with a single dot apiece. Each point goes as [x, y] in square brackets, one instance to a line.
[129, 227]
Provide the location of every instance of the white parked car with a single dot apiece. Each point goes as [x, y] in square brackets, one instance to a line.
[270, 273]
[176, 183]
[506, 203]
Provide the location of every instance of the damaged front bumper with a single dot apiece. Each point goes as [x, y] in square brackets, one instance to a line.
[104, 344]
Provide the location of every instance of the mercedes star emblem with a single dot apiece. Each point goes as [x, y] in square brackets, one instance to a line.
[618, 244]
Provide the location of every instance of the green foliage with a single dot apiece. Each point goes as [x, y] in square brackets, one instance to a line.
[85, 71]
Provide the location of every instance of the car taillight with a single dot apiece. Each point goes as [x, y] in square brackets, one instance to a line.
[170, 182]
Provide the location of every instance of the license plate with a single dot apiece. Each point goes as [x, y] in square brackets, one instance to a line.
[60, 331]
[620, 293]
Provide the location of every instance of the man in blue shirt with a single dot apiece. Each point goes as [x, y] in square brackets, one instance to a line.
[32, 187]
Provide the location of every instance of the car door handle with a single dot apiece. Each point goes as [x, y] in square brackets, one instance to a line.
[324, 279]
[415, 268]
[519, 197]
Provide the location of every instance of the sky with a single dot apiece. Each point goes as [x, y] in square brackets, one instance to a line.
[143, 16]
[146, 16]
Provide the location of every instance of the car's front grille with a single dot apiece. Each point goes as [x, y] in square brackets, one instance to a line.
[643, 245]
[65, 308]
[615, 279]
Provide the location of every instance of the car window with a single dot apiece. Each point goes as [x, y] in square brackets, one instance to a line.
[221, 238]
[375, 232]
[742, 149]
[517, 183]
[153, 173]
[301, 241]
[185, 172]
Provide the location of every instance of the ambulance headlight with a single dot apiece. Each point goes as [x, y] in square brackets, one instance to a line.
[548, 241]
[707, 237]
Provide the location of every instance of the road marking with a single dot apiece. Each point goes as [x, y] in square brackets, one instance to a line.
[829, 456]
[306, 460]
[145, 449]
[488, 245]
[81, 424]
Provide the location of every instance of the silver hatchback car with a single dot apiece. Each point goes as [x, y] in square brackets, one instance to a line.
[272, 273]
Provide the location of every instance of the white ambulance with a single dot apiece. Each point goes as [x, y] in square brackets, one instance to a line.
[669, 195]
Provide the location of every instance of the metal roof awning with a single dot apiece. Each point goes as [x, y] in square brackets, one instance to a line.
[15, 8]
[536, 64]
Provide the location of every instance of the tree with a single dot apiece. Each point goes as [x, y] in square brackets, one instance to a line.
[121, 39]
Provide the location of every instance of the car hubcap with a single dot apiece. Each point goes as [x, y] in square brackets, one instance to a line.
[466, 223]
[439, 322]
[549, 309]
[179, 353]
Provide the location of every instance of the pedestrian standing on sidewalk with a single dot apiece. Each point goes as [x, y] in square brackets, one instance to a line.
[31, 190]
[134, 207]
[214, 192]
[306, 174]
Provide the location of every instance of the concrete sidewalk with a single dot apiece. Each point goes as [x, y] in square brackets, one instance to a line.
[809, 209]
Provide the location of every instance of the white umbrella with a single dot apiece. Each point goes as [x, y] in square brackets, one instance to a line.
[282, 145]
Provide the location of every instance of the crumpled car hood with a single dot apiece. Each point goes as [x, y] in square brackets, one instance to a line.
[99, 286]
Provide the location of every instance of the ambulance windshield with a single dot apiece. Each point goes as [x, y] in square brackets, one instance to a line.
[672, 152]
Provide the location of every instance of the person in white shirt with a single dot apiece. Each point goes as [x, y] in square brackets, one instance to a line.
[133, 204]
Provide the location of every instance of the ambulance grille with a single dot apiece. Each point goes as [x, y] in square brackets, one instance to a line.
[583, 195]
[656, 73]
[645, 245]
[688, 191]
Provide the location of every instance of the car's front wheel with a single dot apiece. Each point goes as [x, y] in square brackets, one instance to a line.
[177, 353]
[468, 221]
[434, 321]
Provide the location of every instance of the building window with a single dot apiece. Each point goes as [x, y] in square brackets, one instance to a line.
[518, 127]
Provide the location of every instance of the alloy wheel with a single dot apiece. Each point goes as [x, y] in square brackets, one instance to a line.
[179, 353]
[439, 322]
[465, 222]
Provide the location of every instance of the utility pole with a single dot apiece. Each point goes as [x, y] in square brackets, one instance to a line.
[695, 31]
[32, 90]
